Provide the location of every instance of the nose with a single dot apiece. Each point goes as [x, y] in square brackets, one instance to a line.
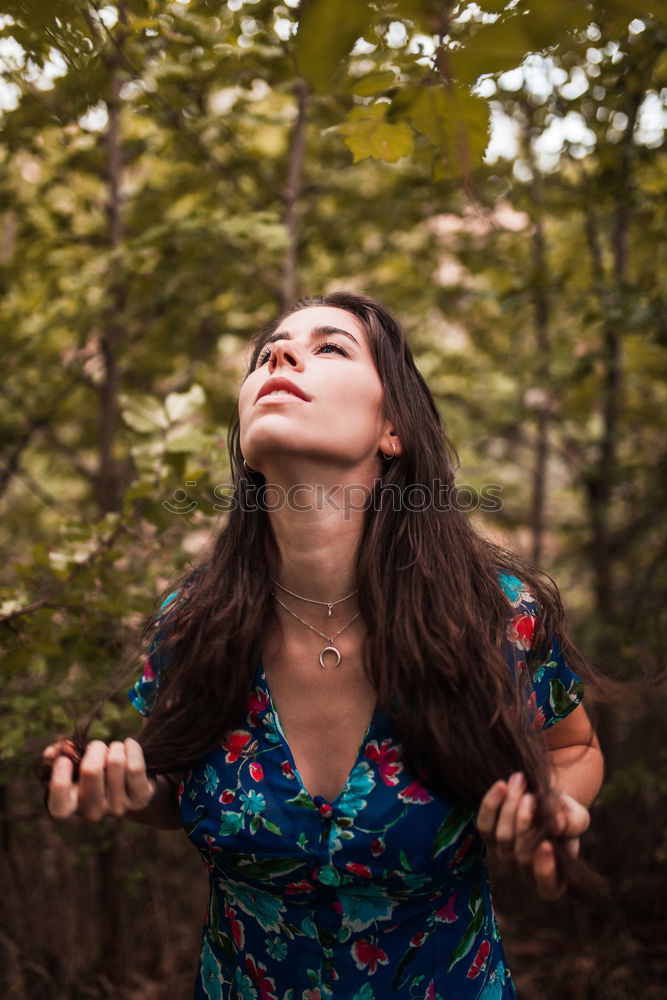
[285, 352]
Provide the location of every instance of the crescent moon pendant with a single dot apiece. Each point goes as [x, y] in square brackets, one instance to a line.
[329, 649]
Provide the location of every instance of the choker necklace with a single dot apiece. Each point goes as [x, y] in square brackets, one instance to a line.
[330, 648]
[325, 604]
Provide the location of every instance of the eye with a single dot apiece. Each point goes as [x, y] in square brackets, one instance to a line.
[335, 347]
[265, 354]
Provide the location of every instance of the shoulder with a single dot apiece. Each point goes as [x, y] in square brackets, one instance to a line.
[143, 692]
[525, 616]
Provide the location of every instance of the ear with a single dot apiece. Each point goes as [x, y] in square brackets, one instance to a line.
[390, 443]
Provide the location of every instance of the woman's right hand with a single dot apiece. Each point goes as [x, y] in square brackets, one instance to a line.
[112, 780]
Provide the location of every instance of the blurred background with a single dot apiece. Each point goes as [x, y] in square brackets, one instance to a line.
[172, 174]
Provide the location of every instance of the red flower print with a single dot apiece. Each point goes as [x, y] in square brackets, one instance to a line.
[312, 994]
[537, 713]
[286, 768]
[257, 702]
[235, 926]
[325, 810]
[294, 888]
[257, 973]
[377, 848]
[386, 756]
[446, 914]
[179, 793]
[235, 744]
[149, 673]
[227, 796]
[418, 940]
[356, 869]
[366, 954]
[463, 850]
[256, 772]
[479, 961]
[521, 631]
[415, 794]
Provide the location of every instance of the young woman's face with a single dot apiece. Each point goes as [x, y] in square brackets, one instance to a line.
[331, 407]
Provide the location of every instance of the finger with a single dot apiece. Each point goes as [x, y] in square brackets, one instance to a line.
[62, 800]
[140, 788]
[506, 825]
[487, 815]
[547, 881]
[117, 801]
[58, 747]
[524, 845]
[573, 817]
[92, 792]
[571, 845]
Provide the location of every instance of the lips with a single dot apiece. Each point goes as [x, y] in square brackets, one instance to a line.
[272, 384]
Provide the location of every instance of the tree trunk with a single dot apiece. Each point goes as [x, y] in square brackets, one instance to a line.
[297, 153]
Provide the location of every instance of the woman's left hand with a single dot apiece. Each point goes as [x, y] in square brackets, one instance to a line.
[504, 821]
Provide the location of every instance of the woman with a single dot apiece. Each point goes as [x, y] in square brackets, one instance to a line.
[353, 695]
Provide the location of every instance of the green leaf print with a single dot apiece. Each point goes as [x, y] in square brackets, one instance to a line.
[271, 827]
[365, 993]
[561, 698]
[303, 800]
[450, 829]
[225, 944]
[402, 966]
[468, 939]
[248, 865]
[404, 861]
[194, 823]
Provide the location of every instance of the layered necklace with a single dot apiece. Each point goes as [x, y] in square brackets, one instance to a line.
[329, 648]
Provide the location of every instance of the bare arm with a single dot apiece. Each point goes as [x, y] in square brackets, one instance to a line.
[506, 812]
[576, 759]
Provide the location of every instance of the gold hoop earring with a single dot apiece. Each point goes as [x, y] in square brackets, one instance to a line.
[388, 458]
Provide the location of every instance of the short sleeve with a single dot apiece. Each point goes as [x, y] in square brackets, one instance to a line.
[143, 692]
[555, 689]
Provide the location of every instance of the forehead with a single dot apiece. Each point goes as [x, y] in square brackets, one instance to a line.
[301, 322]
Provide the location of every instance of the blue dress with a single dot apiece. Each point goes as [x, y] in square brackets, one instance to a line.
[382, 894]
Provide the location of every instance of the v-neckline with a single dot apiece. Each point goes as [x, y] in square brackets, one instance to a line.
[317, 800]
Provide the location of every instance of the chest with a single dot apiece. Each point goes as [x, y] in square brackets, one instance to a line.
[245, 807]
[323, 716]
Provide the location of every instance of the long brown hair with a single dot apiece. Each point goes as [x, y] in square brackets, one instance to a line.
[429, 597]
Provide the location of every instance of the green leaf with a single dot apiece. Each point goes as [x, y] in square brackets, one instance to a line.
[368, 133]
[374, 83]
[143, 413]
[327, 31]
[494, 48]
[184, 405]
[454, 121]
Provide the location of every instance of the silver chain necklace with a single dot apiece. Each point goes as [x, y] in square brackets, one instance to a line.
[325, 604]
[330, 648]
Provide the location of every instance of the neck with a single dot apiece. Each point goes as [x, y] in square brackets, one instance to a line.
[317, 533]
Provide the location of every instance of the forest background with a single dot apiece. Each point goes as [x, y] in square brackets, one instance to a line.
[173, 173]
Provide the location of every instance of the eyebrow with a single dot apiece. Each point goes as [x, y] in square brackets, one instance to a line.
[317, 331]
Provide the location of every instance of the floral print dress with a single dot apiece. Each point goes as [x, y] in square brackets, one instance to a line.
[381, 894]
